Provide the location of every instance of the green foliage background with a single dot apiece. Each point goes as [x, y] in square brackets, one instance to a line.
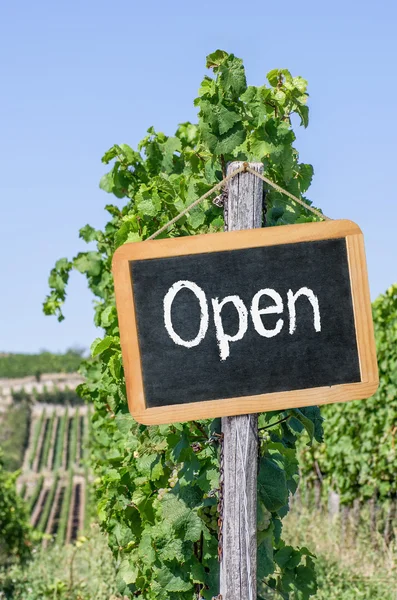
[15, 530]
[21, 365]
[14, 434]
[83, 571]
[360, 457]
[157, 487]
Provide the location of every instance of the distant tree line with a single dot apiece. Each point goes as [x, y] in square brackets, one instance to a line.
[21, 365]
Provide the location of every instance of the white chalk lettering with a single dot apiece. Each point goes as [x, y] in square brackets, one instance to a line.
[168, 300]
[292, 298]
[256, 312]
[223, 338]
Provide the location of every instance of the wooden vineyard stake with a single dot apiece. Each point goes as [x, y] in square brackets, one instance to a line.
[243, 210]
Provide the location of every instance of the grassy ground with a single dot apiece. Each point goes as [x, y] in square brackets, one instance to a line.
[14, 434]
[353, 569]
[83, 571]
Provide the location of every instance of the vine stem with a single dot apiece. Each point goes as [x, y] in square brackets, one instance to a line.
[201, 428]
[274, 424]
[223, 163]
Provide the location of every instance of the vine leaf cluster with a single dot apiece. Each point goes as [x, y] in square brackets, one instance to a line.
[359, 461]
[157, 487]
[16, 534]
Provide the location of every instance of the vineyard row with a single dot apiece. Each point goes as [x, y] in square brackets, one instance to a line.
[58, 440]
[59, 505]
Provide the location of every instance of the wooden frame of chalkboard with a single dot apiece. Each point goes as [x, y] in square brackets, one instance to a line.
[223, 242]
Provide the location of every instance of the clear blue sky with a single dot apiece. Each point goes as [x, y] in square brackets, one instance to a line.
[78, 76]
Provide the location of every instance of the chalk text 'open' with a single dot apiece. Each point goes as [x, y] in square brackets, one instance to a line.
[224, 339]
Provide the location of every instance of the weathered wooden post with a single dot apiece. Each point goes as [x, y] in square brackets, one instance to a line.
[243, 210]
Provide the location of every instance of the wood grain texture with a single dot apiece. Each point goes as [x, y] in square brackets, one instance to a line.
[232, 240]
[229, 241]
[239, 545]
[240, 433]
[362, 309]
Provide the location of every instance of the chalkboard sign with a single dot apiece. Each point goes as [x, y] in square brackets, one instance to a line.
[247, 321]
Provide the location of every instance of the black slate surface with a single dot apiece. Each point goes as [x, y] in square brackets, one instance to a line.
[174, 374]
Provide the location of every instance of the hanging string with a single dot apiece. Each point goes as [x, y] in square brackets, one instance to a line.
[286, 193]
[216, 187]
[245, 168]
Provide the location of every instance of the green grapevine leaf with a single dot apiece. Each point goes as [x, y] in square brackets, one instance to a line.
[100, 345]
[88, 262]
[216, 58]
[173, 580]
[272, 485]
